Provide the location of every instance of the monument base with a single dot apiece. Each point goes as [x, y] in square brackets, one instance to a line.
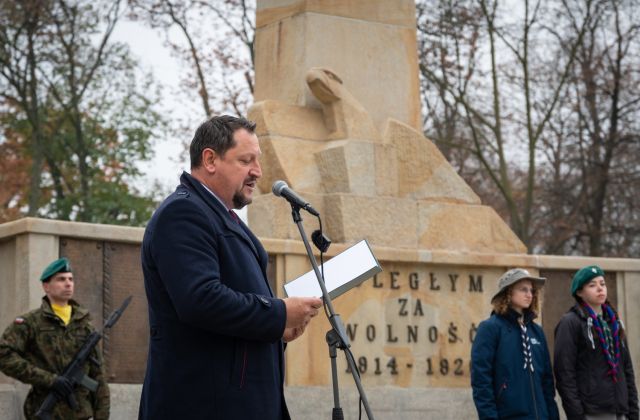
[308, 403]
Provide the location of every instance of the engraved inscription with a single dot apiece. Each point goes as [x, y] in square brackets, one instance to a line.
[413, 324]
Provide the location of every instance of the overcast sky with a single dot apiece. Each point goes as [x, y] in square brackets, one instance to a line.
[147, 46]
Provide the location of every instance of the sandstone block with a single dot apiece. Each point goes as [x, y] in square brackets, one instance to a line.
[348, 167]
[291, 160]
[384, 221]
[279, 118]
[465, 227]
[288, 48]
[270, 216]
[382, 11]
[423, 172]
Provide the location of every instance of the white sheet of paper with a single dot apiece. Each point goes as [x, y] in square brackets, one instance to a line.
[341, 273]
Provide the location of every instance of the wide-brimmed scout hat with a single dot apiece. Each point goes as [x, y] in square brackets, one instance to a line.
[60, 265]
[513, 276]
[584, 276]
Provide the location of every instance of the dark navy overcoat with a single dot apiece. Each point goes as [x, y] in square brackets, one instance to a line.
[215, 348]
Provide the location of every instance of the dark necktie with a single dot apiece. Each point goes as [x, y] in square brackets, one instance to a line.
[234, 216]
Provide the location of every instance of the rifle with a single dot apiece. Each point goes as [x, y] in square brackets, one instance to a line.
[73, 372]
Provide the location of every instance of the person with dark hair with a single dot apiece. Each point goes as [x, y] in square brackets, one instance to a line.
[37, 346]
[511, 375]
[592, 363]
[217, 331]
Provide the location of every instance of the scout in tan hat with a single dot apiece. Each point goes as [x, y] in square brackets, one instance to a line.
[511, 375]
[512, 277]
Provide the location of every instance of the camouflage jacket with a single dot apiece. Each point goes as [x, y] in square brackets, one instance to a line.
[37, 347]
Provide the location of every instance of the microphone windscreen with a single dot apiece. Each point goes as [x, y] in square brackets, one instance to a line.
[278, 186]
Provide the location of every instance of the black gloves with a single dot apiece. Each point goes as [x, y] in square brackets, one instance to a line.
[62, 387]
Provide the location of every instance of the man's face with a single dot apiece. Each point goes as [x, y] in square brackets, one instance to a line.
[236, 173]
[59, 288]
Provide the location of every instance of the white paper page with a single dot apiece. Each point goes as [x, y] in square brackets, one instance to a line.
[341, 273]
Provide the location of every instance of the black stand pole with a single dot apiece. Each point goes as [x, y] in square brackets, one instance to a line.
[336, 337]
[332, 341]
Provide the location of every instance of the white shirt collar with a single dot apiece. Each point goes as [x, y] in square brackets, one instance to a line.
[214, 194]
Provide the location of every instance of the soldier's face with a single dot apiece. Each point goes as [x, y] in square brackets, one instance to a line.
[59, 288]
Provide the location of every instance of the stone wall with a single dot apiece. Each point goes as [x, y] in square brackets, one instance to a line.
[385, 321]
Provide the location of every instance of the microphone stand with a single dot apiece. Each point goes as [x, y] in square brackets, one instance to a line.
[336, 337]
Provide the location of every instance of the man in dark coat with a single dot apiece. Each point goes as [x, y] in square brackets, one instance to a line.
[217, 331]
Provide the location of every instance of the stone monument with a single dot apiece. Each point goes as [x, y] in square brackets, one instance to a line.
[346, 133]
[338, 113]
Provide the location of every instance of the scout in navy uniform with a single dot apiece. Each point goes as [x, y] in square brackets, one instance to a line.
[38, 345]
[511, 373]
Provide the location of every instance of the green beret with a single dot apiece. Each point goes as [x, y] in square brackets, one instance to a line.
[58, 266]
[585, 275]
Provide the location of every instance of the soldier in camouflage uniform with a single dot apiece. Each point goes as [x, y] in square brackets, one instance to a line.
[37, 347]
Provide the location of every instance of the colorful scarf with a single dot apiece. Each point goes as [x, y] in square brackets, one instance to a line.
[614, 360]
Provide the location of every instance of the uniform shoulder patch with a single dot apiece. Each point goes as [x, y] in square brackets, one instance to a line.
[19, 320]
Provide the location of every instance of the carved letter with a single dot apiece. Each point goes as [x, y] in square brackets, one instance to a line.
[403, 307]
[433, 334]
[412, 333]
[376, 285]
[413, 281]
[453, 333]
[472, 332]
[434, 282]
[390, 337]
[394, 279]
[453, 278]
[371, 332]
[418, 308]
[475, 285]
[351, 331]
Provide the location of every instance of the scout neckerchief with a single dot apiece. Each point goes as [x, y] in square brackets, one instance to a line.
[614, 360]
[526, 345]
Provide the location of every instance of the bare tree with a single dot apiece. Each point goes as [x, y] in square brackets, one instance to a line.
[543, 107]
[216, 47]
[490, 68]
[595, 164]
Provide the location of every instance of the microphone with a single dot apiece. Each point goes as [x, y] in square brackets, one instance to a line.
[281, 189]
